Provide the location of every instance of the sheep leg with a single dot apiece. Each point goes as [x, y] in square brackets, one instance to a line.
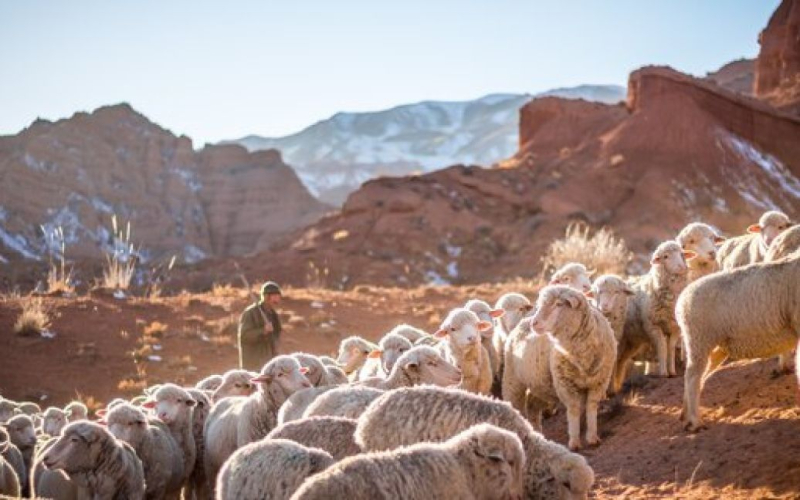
[661, 351]
[715, 359]
[672, 344]
[784, 364]
[592, 401]
[623, 366]
[693, 385]
[574, 423]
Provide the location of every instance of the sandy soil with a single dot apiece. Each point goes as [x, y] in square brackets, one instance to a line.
[101, 349]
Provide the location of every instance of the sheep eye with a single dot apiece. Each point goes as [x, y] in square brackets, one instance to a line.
[74, 439]
[452, 329]
[495, 459]
[237, 385]
[566, 485]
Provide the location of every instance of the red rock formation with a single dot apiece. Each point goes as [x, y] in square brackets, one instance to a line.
[738, 76]
[76, 173]
[778, 65]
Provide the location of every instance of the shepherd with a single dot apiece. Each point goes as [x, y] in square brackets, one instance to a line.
[260, 329]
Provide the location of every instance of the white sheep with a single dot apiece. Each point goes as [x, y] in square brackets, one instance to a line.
[380, 362]
[486, 313]
[271, 469]
[162, 459]
[237, 421]
[785, 244]
[76, 411]
[483, 462]
[173, 405]
[53, 420]
[9, 481]
[22, 434]
[210, 383]
[198, 482]
[752, 247]
[462, 329]
[317, 373]
[573, 275]
[751, 312]
[97, 462]
[612, 296]
[13, 457]
[234, 383]
[353, 353]
[45, 483]
[347, 402]
[296, 405]
[515, 306]
[411, 333]
[8, 409]
[336, 435]
[703, 240]
[418, 414]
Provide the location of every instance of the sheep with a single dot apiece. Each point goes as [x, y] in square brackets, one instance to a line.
[573, 275]
[381, 361]
[348, 402]
[750, 312]
[317, 373]
[296, 405]
[515, 306]
[785, 244]
[9, 480]
[463, 348]
[612, 297]
[234, 383]
[210, 383]
[336, 435]
[97, 462]
[30, 409]
[13, 457]
[21, 434]
[8, 409]
[237, 421]
[752, 247]
[411, 333]
[703, 240]
[53, 420]
[486, 313]
[161, 457]
[483, 462]
[420, 365]
[173, 405]
[336, 375]
[353, 353]
[45, 483]
[416, 414]
[76, 411]
[651, 311]
[198, 483]
[271, 469]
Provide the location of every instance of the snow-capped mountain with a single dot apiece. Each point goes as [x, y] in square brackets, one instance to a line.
[334, 157]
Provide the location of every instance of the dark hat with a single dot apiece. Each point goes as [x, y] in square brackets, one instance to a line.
[270, 288]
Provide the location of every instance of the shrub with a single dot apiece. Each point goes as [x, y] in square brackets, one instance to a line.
[120, 259]
[34, 318]
[59, 278]
[602, 252]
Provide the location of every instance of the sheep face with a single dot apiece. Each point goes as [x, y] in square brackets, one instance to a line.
[283, 373]
[610, 293]
[515, 307]
[574, 477]
[235, 383]
[315, 369]
[54, 420]
[172, 404]
[496, 458]
[770, 225]
[75, 450]
[573, 275]
[352, 356]
[76, 411]
[127, 423]
[463, 327]
[20, 432]
[556, 303]
[671, 257]
[392, 347]
[430, 367]
[485, 313]
[701, 239]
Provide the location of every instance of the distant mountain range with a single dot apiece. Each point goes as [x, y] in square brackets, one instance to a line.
[334, 157]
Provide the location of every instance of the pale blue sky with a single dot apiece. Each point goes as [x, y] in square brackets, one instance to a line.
[221, 70]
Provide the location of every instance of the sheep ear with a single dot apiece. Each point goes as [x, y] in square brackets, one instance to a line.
[303, 370]
[655, 260]
[527, 307]
[101, 412]
[440, 333]
[689, 255]
[554, 281]
[718, 240]
[412, 366]
[261, 379]
[589, 294]
[497, 313]
[484, 326]
[149, 404]
[375, 354]
[190, 402]
[627, 290]
[572, 301]
[755, 228]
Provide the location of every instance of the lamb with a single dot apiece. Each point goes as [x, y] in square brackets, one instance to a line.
[234, 383]
[785, 244]
[573, 275]
[13, 457]
[173, 405]
[296, 405]
[703, 240]
[162, 459]
[210, 383]
[380, 362]
[271, 469]
[317, 373]
[416, 414]
[97, 462]
[651, 311]
[336, 435]
[483, 462]
[21, 434]
[463, 348]
[198, 483]
[486, 313]
[612, 296]
[347, 402]
[353, 353]
[76, 411]
[9, 481]
[752, 247]
[237, 421]
[751, 312]
[53, 420]
[515, 306]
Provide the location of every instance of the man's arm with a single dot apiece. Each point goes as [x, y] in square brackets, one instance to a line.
[249, 330]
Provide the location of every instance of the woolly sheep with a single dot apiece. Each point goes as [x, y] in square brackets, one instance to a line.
[317, 373]
[353, 353]
[8, 409]
[29, 408]
[46, 483]
[9, 481]
[336, 435]
[173, 405]
[210, 383]
[198, 483]
[162, 460]
[420, 365]
[751, 312]
[573, 275]
[785, 244]
[76, 411]
[234, 383]
[612, 297]
[21, 434]
[97, 462]
[13, 457]
[483, 462]
[296, 405]
[515, 306]
[336, 375]
[752, 247]
[411, 333]
[462, 329]
[417, 414]
[53, 420]
[486, 313]
[237, 421]
[703, 240]
[271, 469]
[380, 362]
[348, 402]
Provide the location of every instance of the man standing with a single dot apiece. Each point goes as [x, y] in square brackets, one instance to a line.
[260, 329]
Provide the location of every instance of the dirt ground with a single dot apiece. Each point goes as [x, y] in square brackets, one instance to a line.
[104, 347]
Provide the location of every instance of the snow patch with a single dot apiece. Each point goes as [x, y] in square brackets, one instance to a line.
[193, 254]
[18, 243]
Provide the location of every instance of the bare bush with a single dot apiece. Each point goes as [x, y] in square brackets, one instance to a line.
[59, 278]
[120, 259]
[603, 251]
[34, 319]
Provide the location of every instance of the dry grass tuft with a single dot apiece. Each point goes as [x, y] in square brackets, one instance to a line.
[120, 259]
[59, 278]
[34, 318]
[603, 252]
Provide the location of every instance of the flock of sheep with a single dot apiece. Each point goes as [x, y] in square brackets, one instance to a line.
[453, 414]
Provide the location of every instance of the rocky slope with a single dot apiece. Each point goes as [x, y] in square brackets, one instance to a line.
[78, 172]
[778, 64]
[335, 156]
[738, 76]
[681, 149]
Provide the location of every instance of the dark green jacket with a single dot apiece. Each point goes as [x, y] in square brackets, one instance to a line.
[256, 347]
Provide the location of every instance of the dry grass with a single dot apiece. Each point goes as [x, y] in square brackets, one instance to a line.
[227, 291]
[34, 318]
[120, 260]
[59, 278]
[603, 252]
